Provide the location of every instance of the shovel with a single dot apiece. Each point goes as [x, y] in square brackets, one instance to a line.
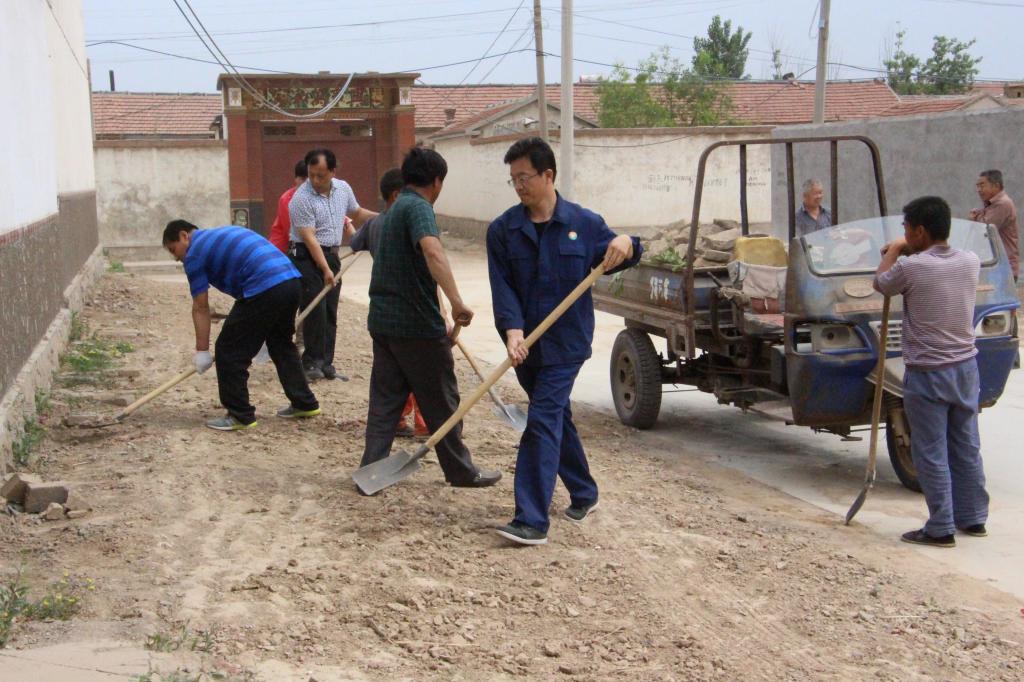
[398, 466]
[264, 355]
[512, 415]
[96, 423]
[876, 413]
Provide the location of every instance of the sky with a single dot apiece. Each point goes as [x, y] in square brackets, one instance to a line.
[461, 41]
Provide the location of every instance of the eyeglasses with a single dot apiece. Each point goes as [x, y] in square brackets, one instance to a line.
[520, 180]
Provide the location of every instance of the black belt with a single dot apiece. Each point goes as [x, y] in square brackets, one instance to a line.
[333, 250]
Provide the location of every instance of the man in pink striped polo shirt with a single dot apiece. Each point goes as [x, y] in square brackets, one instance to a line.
[941, 385]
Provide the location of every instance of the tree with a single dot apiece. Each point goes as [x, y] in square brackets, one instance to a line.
[660, 94]
[723, 54]
[951, 68]
[902, 69]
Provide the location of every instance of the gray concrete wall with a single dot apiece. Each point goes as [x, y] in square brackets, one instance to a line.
[142, 184]
[938, 154]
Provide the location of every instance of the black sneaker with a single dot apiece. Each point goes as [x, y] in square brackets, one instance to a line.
[978, 530]
[313, 373]
[919, 537]
[522, 534]
[331, 373]
[579, 513]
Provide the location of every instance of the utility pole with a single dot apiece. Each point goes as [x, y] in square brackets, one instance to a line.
[568, 133]
[542, 97]
[822, 68]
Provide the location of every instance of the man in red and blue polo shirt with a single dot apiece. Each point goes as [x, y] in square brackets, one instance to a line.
[266, 289]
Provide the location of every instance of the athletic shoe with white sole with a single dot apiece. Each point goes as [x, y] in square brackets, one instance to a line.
[577, 514]
[522, 534]
[229, 423]
[293, 413]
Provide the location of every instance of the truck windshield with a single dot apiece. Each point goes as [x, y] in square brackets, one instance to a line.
[856, 246]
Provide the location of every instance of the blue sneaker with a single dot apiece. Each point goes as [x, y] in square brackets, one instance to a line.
[229, 423]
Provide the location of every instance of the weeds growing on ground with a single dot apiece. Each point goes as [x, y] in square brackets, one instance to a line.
[87, 358]
[182, 638]
[180, 675]
[77, 330]
[31, 436]
[115, 266]
[61, 601]
[42, 401]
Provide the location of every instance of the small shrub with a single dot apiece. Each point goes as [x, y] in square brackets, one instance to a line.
[61, 601]
[31, 437]
[115, 266]
[182, 638]
[42, 400]
[77, 329]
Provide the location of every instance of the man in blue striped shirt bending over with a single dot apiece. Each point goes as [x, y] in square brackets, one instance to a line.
[266, 289]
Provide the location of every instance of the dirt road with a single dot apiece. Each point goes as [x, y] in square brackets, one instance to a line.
[253, 554]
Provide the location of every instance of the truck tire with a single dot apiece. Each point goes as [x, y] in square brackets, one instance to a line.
[899, 453]
[636, 379]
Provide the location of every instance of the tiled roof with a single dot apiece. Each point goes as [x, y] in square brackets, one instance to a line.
[910, 105]
[467, 123]
[468, 100]
[120, 115]
[786, 102]
[753, 102]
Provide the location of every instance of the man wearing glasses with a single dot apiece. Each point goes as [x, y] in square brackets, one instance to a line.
[538, 252]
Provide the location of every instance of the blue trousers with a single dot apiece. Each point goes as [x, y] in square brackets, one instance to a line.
[942, 408]
[550, 446]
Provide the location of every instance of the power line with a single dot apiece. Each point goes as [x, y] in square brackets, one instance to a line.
[381, 22]
[67, 40]
[238, 78]
[186, 57]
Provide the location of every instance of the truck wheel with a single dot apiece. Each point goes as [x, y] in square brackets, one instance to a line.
[899, 448]
[636, 379]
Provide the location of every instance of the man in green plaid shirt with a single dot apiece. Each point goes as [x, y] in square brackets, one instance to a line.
[411, 341]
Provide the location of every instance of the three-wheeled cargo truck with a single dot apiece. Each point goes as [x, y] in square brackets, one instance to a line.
[792, 334]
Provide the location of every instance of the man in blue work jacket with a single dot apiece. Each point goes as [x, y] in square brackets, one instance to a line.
[537, 253]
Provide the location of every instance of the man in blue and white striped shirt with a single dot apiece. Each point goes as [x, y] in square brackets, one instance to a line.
[266, 289]
[318, 212]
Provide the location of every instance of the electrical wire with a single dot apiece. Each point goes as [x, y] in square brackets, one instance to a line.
[85, 72]
[240, 79]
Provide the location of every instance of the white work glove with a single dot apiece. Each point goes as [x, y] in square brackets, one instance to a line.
[203, 360]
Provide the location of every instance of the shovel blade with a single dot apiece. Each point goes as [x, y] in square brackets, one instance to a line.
[386, 472]
[859, 502]
[513, 415]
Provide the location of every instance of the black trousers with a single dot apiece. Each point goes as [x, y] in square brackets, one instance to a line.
[320, 328]
[427, 369]
[266, 318]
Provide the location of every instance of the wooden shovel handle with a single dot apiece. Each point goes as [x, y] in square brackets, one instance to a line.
[876, 406]
[327, 288]
[471, 359]
[485, 386]
[171, 383]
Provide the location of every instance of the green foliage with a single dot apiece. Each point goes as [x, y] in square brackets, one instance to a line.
[94, 354]
[950, 70]
[61, 601]
[661, 93]
[78, 328]
[31, 436]
[42, 401]
[182, 638]
[115, 266]
[723, 54]
[669, 257]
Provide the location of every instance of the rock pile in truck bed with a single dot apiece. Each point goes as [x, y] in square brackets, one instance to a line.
[715, 240]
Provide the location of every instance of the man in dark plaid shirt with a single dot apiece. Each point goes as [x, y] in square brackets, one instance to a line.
[411, 342]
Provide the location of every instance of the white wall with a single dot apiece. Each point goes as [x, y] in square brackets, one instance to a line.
[28, 167]
[632, 178]
[142, 185]
[72, 131]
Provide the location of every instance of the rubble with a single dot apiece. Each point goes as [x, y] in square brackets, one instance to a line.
[39, 496]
